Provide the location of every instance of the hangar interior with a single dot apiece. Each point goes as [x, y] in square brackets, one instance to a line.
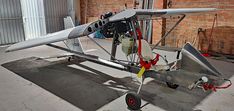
[45, 78]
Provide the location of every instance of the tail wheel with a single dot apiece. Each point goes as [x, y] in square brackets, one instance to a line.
[69, 59]
[133, 101]
[172, 85]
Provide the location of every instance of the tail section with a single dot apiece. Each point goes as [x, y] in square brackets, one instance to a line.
[72, 44]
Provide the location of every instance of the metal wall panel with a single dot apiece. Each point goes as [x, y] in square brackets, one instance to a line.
[34, 19]
[55, 11]
[11, 23]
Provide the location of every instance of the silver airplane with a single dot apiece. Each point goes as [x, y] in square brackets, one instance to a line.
[191, 71]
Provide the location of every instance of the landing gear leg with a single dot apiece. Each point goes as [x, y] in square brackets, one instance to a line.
[142, 81]
[133, 99]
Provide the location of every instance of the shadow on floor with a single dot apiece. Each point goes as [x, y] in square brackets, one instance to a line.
[87, 90]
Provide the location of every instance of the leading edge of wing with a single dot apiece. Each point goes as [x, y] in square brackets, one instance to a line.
[164, 13]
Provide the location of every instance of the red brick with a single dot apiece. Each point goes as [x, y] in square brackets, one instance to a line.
[223, 33]
[188, 29]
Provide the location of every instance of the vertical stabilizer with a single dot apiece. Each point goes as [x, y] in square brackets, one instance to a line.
[72, 44]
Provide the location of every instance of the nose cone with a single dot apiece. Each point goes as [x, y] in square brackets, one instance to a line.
[193, 61]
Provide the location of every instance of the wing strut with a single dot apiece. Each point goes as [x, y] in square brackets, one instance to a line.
[177, 23]
[92, 58]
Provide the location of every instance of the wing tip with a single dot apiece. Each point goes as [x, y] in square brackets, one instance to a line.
[8, 50]
[11, 49]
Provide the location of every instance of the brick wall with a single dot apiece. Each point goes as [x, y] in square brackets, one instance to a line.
[157, 24]
[98, 7]
[222, 39]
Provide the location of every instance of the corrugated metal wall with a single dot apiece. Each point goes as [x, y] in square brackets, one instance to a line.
[34, 18]
[55, 11]
[11, 23]
[14, 27]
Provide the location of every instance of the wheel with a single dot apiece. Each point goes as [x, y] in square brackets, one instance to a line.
[172, 85]
[69, 59]
[133, 101]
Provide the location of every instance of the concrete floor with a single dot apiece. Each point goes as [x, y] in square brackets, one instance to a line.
[57, 85]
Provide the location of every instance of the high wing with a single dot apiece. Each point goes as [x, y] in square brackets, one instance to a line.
[160, 13]
[70, 33]
[86, 29]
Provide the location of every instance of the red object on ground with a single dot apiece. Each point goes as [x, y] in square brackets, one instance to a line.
[212, 87]
[206, 55]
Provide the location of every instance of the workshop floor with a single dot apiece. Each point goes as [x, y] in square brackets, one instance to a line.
[28, 83]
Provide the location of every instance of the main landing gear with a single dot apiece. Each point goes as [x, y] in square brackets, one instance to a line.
[133, 100]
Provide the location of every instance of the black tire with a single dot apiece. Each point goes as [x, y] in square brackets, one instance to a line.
[172, 85]
[133, 101]
[69, 59]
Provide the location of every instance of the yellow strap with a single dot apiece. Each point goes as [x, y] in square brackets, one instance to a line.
[141, 72]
